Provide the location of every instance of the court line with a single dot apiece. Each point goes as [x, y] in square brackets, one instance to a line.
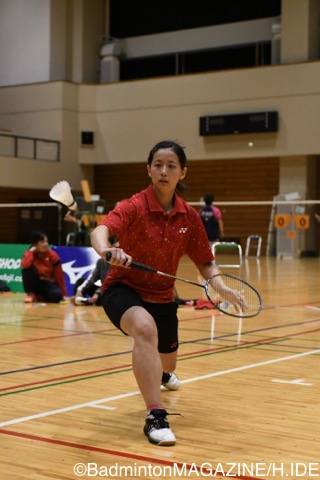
[125, 368]
[181, 343]
[68, 409]
[67, 362]
[75, 376]
[55, 337]
[137, 392]
[111, 328]
[133, 456]
[253, 365]
[122, 368]
[104, 407]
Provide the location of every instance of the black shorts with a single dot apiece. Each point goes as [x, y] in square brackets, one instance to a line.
[118, 298]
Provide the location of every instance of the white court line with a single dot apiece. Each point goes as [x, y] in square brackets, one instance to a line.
[68, 409]
[105, 407]
[298, 381]
[137, 392]
[246, 367]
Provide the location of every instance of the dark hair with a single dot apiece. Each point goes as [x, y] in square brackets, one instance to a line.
[37, 237]
[208, 198]
[178, 150]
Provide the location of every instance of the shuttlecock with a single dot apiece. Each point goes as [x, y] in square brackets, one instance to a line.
[224, 306]
[61, 192]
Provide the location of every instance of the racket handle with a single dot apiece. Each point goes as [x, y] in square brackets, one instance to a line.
[142, 266]
[136, 265]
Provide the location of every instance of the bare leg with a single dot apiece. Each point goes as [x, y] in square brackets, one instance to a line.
[169, 361]
[147, 367]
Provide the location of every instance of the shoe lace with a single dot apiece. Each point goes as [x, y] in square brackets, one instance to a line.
[159, 419]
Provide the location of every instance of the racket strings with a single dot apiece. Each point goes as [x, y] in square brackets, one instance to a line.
[251, 304]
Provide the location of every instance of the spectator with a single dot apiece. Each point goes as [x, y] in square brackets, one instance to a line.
[42, 273]
[88, 291]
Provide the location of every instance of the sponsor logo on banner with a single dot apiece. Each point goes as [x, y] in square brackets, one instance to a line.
[77, 263]
[10, 265]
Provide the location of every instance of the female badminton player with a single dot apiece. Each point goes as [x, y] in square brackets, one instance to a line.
[156, 227]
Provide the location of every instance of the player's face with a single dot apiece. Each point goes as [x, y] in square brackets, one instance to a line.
[165, 169]
[42, 245]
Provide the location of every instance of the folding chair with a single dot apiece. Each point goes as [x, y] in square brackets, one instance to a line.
[228, 247]
[256, 245]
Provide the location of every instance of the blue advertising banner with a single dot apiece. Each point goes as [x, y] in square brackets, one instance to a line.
[77, 262]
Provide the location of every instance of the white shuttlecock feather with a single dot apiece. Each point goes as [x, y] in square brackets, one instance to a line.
[61, 192]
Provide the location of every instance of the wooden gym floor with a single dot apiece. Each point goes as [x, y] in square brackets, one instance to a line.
[249, 399]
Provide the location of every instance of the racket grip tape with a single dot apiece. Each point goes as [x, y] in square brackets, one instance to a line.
[136, 265]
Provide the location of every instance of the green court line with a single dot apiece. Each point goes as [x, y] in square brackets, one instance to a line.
[65, 382]
[241, 347]
[130, 369]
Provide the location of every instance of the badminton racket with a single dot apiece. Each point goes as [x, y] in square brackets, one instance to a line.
[249, 306]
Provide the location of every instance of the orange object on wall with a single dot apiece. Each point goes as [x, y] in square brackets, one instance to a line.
[282, 220]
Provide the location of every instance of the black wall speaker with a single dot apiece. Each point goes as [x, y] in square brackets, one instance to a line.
[258, 122]
[87, 139]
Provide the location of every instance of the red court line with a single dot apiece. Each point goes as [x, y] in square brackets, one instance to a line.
[67, 377]
[118, 453]
[183, 355]
[120, 367]
[256, 342]
[197, 317]
[17, 342]
[55, 337]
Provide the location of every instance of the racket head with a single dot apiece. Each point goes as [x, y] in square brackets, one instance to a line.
[221, 303]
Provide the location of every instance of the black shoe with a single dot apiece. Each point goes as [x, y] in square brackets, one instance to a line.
[157, 428]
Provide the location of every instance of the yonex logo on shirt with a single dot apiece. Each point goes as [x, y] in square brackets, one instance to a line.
[183, 230]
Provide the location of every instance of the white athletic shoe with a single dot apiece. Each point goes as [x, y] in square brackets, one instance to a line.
[173, 383]
[81, 301]
[157, 428]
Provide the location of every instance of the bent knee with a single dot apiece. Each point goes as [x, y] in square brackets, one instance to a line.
[146, 330]
[139, 325]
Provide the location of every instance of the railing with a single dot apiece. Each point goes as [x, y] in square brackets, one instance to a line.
[29, 148]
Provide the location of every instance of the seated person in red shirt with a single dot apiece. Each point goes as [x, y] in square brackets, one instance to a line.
[42, 273]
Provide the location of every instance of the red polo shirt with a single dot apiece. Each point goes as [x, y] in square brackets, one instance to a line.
[48, 266]
[157, 239]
